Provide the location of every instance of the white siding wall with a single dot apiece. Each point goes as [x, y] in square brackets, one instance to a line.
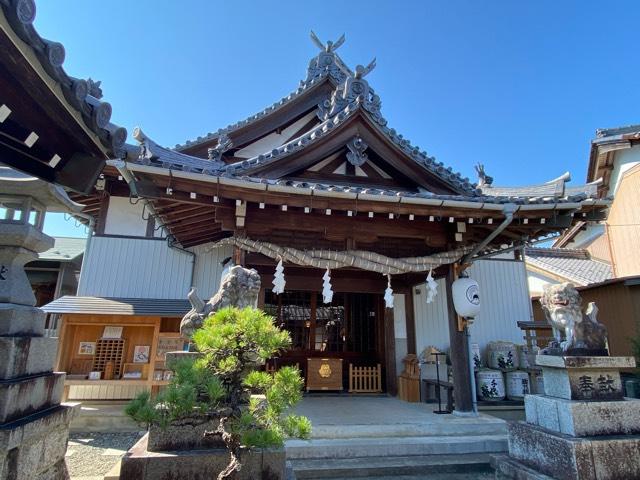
[505, 301]
[400, 330]
[145, 268]
[124, 218]
[206, 276]
[134, 267]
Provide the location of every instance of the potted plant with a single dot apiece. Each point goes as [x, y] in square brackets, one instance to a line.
[220, 397]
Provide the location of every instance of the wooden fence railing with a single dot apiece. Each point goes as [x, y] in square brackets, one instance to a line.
[365, 379]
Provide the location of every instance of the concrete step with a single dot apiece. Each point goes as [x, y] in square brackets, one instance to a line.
[417, 429]
[409, 466]
[394, 446]
[103, 418]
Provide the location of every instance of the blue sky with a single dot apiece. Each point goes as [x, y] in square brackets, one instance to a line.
[519, 86]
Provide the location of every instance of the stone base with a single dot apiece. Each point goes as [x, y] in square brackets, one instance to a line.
[507, 468]
[184, 434]
[24, 396]
[21, 320]
[140, 464]
[580, 418]
[583, 378]
[570, 458]
[34, 447]
[24, 356]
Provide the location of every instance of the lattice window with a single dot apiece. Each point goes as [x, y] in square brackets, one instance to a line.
[109, 350]
[292, 311]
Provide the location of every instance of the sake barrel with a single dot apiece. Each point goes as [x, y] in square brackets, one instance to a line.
[502, 355]
[523, 356]
[490, 385]
[518, 384]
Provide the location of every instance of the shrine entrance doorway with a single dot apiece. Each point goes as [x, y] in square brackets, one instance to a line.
[350, 328]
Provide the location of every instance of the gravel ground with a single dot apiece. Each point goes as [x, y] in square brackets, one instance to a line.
[91, 455]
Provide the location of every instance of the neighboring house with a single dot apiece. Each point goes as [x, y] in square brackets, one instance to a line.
[320, 181]
[56, 273]
[615, 159]
[556, 265]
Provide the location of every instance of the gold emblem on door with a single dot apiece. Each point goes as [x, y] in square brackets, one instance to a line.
[325, 370]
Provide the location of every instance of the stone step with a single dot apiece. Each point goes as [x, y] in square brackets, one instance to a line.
[425, 429]
[368, 467]
[394, 446]
[98, 417]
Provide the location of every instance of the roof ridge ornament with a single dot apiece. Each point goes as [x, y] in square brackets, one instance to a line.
[330, 46]
[215, 153]
[356, 89]
[327, 61]
[484, 180]
[356, 154]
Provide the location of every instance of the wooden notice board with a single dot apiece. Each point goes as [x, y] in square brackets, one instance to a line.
[324, 374]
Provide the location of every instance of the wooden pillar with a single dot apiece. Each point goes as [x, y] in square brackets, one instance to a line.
[458, 352]
[238, 256]
[390, 352]
[410, 320]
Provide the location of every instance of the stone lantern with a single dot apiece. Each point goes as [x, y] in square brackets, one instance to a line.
[34, 426]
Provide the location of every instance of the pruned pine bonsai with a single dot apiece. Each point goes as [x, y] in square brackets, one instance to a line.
[225, 383]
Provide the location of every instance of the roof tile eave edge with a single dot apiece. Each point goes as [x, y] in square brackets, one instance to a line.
[91, 114]
[304, 86]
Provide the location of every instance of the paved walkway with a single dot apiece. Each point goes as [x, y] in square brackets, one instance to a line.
[91, 455]
[337, 416]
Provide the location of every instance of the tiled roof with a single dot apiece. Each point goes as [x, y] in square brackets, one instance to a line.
[612, 132]
[84, 95]
[65, 249]
[575, 265]
[118, 306]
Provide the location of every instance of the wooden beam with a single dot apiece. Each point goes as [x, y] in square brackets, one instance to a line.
[458, 352]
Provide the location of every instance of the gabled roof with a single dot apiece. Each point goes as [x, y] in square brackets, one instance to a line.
[326, 66]
[575, 265]
[65, 249]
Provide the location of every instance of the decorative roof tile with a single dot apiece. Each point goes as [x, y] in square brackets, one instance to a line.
[83, 95]
[575, 265]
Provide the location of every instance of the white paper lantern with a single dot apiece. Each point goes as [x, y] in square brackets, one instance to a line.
[466, 297]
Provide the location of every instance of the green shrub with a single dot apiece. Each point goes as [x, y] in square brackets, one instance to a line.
[225, 383]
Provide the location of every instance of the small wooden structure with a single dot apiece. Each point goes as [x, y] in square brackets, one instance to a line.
[409, 379]
[324, 374]
[123, 374]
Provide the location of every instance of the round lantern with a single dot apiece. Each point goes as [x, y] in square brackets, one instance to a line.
[466, 297]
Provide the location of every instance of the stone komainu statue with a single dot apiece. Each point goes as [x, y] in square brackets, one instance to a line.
[584, 335]
[238, 288]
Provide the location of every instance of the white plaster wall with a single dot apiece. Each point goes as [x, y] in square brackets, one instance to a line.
[623, 161]
[538, 281]
[505, 300]
[123, 218]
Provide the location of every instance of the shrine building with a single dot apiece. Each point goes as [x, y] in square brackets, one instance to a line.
[358, 215]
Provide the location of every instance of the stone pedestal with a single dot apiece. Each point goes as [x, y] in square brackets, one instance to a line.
[34, 427]
[182, 452]
[141, 464]
[581, 428]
